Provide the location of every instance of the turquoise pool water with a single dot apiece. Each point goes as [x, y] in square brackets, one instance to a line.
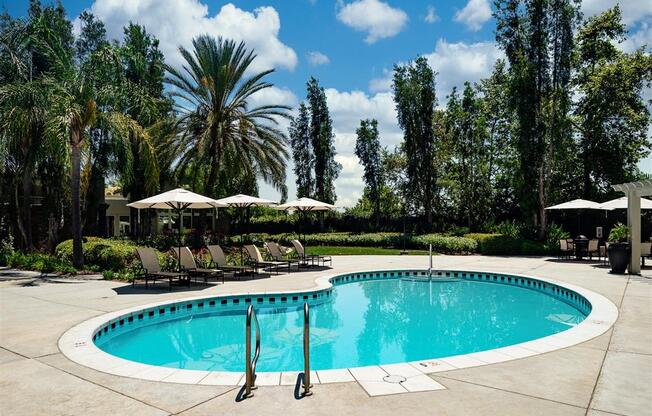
[363, 323]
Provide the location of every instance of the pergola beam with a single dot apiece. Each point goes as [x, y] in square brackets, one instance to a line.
[634, 191]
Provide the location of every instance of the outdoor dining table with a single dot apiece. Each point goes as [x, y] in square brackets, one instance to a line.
[581, 245]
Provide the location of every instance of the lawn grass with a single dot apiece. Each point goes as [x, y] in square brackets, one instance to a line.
[355, 251]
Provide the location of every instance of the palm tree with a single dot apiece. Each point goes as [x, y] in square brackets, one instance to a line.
[22, 115]
[73, 111]
[219, 126]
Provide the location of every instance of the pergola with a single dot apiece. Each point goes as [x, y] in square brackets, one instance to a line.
[634, 191]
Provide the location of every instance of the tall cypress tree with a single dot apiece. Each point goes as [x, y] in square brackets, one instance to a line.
[467, 132]
[501, 155]
[414, 95]
[537, 38]
[302, 152]
[321, 138]
[367, 148]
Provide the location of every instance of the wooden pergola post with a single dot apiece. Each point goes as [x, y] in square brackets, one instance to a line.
[634, 191]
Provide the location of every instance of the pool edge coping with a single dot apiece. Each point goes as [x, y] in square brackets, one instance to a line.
[77, 343]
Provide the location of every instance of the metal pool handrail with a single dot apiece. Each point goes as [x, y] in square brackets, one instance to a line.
[430, 256]
[250, 365]
[306, 350]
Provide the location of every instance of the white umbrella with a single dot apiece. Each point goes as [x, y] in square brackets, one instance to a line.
[621, 203]
[178, 200]
[244, 201]
[577, 204]
[305, 205]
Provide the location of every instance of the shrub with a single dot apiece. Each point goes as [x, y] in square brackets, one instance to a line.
[619, 234]
[499, 244]
[39, 262]
[509, 228]
[533, 248]
[123, 275]
[105, 254]
[492, 243]
[6, 249]
[555, 233]
[446, 244]
[441, 243]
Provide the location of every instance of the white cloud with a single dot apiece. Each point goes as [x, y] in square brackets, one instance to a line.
[381, 84]
[454, 63]
[459, 62]
[274, 95]
[632, 10]
[431, 15]
[375, 17]
[347, 108]
[176, 22]
[474, 14]
[316, 58]
[641, 37]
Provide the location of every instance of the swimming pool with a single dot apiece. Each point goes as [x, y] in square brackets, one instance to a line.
[365, 318]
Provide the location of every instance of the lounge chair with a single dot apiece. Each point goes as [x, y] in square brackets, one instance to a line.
[152, 268]
[218, 259]
[276, 252]
[257, 261]
[189, 264]
[312, 258]
[646, 252]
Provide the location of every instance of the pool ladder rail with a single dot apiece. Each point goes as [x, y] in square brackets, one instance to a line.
[250, 365]
[430, 264]
[306, 351]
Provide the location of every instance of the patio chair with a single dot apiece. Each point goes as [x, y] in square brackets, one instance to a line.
[188, 263]
[152, 268]
[646, 252]
[564, 251]
[603, 251]
[570, 244]
[257, 261]
[218, 259]
[301, 252]
[276, 252]
[594, 248]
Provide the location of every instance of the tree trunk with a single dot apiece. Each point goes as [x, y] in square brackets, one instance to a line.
[27, 208]
[428, 204]
[543, 219]
[19, 218]
[101, 218]
[377, 210]
[94, 201]
[77, 249]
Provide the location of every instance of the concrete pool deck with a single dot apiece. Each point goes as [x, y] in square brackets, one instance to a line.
[610, 374]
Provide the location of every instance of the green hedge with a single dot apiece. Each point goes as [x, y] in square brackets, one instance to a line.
[106, 254]
[441, 243]
[39, 262]
[499, 244]
[446, 244]
[120, 255]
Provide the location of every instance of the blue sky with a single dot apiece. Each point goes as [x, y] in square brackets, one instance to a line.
[350, 46]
